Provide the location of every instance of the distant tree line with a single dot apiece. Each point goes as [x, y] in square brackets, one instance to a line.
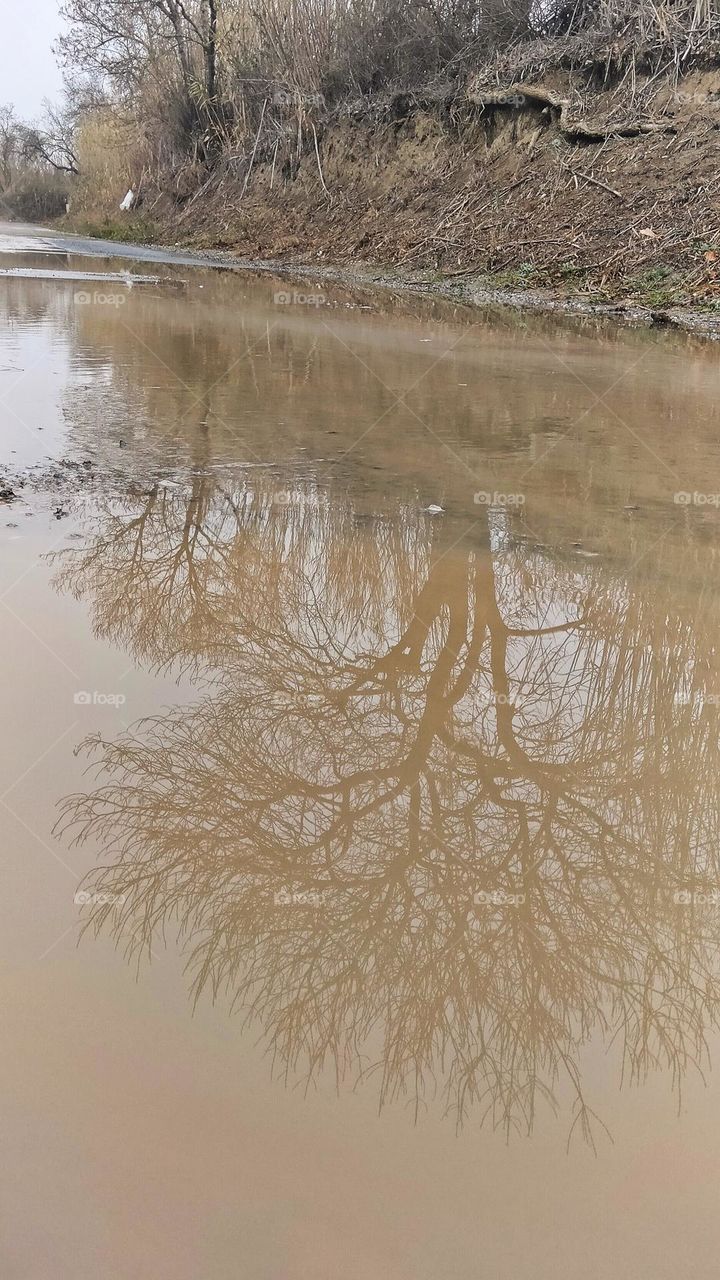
[37, 161]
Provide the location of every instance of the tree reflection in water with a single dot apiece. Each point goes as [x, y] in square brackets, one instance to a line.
[430, 816]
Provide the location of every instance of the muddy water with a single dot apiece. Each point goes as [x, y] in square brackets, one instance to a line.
[361, 898]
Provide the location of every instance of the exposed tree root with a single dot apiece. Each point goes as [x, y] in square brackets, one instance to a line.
[521, 96]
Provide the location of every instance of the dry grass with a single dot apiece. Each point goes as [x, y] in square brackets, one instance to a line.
[291, 61]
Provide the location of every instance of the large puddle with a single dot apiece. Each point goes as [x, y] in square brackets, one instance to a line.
[361, 864]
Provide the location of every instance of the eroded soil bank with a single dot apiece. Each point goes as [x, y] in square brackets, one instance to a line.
[551, 192]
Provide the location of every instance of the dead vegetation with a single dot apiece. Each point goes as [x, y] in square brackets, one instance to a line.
[569, 143]
[562, 189]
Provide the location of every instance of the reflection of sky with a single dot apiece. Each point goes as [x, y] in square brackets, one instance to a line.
[34, 370]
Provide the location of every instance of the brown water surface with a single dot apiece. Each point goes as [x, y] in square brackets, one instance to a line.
[361, 689]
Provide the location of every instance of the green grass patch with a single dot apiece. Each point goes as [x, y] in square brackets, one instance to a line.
[137, 230]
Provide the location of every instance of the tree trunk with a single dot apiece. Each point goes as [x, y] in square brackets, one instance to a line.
[211, 51]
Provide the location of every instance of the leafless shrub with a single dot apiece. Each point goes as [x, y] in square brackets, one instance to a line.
[36, 194]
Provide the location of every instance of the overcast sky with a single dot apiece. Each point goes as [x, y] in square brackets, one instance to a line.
[28, 72]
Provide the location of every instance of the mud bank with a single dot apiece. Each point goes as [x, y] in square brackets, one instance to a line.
[474, 290]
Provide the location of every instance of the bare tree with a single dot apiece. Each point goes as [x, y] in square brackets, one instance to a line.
[52, 142]
[127, 40]
[9, 144]
[405, 809]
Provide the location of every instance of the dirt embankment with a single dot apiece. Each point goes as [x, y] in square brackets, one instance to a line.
[551, 184]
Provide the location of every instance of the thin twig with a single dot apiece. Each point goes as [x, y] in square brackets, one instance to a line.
[254, 150]
[578, 173]
[317, 155]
